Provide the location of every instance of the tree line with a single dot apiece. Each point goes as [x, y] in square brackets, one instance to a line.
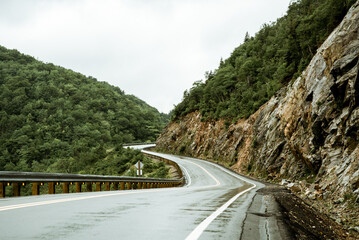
[264, 63]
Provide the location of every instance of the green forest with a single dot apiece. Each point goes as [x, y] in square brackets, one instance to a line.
[264, 63]
[56, 120]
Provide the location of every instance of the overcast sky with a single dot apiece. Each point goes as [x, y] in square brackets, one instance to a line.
[153, 49]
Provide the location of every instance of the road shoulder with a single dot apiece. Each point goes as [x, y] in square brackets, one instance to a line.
[277, 211]
[264, 218]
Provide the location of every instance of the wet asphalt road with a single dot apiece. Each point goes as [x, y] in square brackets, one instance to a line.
[167, 213]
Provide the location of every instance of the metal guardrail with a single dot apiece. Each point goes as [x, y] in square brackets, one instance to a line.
[19, 179]
[132, 144]
[179, 170]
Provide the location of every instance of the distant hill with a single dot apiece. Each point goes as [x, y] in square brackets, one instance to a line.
[49, 115]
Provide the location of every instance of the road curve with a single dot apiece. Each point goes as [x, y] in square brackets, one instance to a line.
[212, 205]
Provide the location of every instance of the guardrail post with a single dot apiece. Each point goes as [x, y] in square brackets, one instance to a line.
[98, 186]
[35, 188]
[129, 186]
[140, 185]
[65, 187]
[122, 185]
[115, 185]
[15, 189]
[78, 187]
[89, 186]
[51, 187]
[107, 186]
[2, 189]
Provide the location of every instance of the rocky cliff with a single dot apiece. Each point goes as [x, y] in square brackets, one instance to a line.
[308, 130]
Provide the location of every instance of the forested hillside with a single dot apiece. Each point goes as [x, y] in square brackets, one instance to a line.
[54, 119]
[277, 54]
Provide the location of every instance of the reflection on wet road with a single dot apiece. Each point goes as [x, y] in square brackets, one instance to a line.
[212, 205]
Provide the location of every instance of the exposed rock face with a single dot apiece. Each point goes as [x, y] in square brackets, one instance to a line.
[310, 127]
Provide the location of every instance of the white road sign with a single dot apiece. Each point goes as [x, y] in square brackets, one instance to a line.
[139, 164]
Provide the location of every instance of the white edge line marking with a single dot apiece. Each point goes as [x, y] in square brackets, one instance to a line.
[196, 233]
[205, 170]
[226, 170]
[181, 166]
[40, 203]
[188, 176]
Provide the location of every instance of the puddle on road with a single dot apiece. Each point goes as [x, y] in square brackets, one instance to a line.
[62, 232]
[265, 215]
[77, 222]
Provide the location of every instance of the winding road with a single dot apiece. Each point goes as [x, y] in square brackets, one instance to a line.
[214, 204]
